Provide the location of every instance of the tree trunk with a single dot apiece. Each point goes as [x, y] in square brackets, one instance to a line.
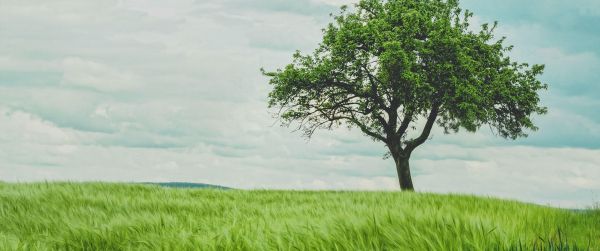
[403, 169]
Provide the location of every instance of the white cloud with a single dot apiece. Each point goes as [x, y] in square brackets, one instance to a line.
[161, 9]
[564, 177]
[18, 126]
[29, 140]
[336, 2]
[8, 63]
[85, 73]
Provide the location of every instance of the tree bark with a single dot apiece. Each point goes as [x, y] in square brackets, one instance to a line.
[404, 177]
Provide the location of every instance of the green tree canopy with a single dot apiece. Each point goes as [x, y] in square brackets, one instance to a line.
[385, 65]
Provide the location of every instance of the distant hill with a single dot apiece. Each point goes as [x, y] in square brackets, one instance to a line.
[185, 185]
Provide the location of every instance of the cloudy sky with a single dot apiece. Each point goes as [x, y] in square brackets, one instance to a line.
[121, 90]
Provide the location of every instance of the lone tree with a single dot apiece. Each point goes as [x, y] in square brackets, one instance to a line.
[395, 68]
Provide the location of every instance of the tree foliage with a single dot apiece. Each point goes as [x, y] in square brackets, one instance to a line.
[383, 65]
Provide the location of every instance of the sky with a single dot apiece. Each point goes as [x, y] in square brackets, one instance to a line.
[159, 91]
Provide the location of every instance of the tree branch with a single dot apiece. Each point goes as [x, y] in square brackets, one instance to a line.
[366, 130]
[405, 123]
[377, 98]
[414, 143]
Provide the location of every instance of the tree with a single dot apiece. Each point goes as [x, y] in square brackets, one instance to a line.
[395, 68]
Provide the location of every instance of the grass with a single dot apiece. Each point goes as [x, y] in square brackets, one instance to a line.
[101, 216]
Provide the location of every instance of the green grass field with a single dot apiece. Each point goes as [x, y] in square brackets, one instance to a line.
[99, 216]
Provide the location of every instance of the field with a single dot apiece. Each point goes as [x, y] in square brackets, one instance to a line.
[101, 216]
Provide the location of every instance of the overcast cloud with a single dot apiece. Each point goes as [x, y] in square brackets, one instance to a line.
[171, 91]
